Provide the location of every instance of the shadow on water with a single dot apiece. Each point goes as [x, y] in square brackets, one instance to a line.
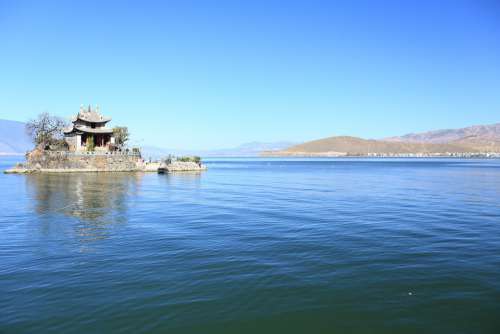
[189, 179]
[95, 201]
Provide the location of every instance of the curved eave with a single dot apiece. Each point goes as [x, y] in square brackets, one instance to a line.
[78, 129]
[101, 120]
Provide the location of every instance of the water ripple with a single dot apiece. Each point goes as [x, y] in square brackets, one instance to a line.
[256, 245]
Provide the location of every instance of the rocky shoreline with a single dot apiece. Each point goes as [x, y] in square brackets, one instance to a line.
[181, 166]
[61, 162]
[147, 168]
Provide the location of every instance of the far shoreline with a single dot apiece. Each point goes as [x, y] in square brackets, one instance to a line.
[12, 154]
[20, 155]
[468, 155]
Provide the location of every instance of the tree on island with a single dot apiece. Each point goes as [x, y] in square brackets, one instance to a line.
[121, 135]
[90, 143]
[194, 158]
[46, 130]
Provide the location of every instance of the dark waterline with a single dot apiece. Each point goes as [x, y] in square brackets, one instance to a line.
[257, 246]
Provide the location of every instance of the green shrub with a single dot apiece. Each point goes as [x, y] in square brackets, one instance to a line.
[90, 143]
[59, 145]
[189, 159]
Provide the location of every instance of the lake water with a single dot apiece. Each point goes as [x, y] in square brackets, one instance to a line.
[255, 246]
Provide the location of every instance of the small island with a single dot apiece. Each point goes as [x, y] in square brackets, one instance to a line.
[88, 145]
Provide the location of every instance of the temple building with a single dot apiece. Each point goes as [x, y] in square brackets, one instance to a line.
[89, 126]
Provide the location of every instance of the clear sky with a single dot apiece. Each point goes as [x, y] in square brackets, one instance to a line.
[212, 74]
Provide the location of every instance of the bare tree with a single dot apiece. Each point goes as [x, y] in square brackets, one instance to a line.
[46, 130]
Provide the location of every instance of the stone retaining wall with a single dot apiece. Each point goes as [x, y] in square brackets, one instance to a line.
[55, 161]
[183, 166]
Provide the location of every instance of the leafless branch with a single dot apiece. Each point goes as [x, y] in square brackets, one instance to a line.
[45, 129]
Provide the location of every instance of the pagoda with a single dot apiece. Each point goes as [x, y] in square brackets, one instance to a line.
[88, 124]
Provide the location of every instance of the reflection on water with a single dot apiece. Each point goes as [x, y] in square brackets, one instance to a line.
[96, 200]
[191, 178]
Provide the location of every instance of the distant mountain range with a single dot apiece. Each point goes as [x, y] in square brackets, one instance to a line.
[252, 149]
[474, 139]
[476, 132]
[13, 138]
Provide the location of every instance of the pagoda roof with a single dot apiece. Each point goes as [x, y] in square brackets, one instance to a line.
[90, 115]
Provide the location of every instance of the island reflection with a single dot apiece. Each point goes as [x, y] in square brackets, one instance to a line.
[95, 200]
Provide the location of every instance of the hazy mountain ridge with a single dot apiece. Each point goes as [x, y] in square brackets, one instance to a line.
[476, 132]
[251, 149]
[474, 139]
[13, 138]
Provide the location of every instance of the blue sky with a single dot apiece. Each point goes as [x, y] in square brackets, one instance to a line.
[211, 74]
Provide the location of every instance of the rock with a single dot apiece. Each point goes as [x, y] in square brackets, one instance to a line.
[18, 170]
[180, 166]
[148, 166]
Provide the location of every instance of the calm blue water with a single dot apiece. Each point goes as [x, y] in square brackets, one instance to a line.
[255, 246]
